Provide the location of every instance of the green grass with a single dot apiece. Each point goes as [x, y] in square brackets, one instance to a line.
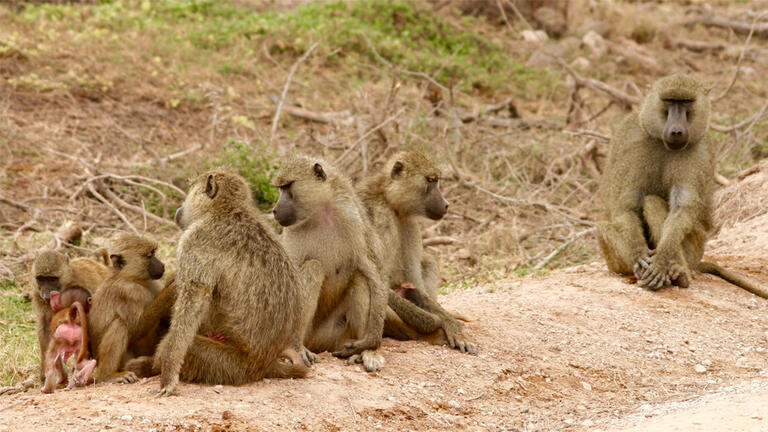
[225, 39]
[19, 355]
[256, 165]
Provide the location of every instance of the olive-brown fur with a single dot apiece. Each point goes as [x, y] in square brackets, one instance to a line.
[54, 271]
[234, 277]
[117, 307]
[402, 192]
[658, 194]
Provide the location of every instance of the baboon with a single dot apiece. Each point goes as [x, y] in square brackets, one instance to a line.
[73, 294]
[69, 327]
[396, 197]
[53, 271]
[657, 189]
[325, 220]
[234, 277]
[118, 305]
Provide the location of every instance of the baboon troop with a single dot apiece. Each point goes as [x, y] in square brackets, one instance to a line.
[348, 266]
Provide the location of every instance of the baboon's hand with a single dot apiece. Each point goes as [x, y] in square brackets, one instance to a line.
[455, 337]
[125, 377]
[656, 275]
[642, 266]
[166, 389]
[358, 346]
[308, 357]
[679, 275]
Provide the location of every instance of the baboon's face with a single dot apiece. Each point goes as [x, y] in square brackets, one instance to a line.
[138, 261]
[416, 192]
[303, 187]
[677, 116]
[50, 268]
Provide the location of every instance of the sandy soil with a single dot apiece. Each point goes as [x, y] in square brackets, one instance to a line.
[580, 349]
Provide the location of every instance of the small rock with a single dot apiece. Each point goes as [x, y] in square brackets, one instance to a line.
[534, 36]
[586, 386]
[587, 423]
[598, 27]
[126, 418]
[596, 43]
[645, 407]
[553, 21]
[218, 388]
[569, 421]
[463, 253]
[453, 404]
[580, 63]
[226, 415]
[707, 362]
[700, 368]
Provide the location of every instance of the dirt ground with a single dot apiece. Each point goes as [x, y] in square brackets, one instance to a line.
[579, 349]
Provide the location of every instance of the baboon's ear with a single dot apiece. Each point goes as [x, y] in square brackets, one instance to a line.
[319, 173]
[117, 261]
[211, 188]
[397, 169]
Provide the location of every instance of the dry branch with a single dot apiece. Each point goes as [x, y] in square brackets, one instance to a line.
[561, 248]
[285, 90]
[621, 98]
[69, 232]
[741, 27]
[437, 241]
[343, 118]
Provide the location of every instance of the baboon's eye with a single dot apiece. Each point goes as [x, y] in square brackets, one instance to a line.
[431, 179]
[666, 112]
[286, 186]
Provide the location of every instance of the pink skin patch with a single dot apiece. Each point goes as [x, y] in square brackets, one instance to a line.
[56, 300]
[71, 333]
[216, 336]
[404, 287]
[82, 374]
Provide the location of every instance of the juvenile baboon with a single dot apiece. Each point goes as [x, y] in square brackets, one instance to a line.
[54, 272]
[396, 197]
[234, 277]
[325, 220]
[657, 189]
[69, 327]
[118, 305]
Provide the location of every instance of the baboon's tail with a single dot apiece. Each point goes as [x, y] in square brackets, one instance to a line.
[460, 316]
[734, 278]
[281, 369]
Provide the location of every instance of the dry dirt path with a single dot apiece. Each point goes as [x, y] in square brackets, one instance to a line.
[579, 349]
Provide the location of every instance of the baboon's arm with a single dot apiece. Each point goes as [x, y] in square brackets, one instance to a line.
[192, 304]
[679, 223]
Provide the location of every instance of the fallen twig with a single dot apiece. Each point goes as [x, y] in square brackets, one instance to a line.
[562, 247]
[741, 57]
[285, 90]
[69, 232]
[437, 241]
[741, 27]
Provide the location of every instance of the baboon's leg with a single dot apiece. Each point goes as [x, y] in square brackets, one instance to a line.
[311, 273]
[655, 212]
[360, 317]
[619, 255]
[395, 328]
[111, 352]
[329, 334]
[430, 272]
[212, 362]
[416, 317]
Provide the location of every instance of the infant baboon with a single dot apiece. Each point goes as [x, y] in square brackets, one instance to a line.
[54, 272]
[234, 277]
[403, 191]
[118, 305]
[69, 327]
[324, 220]
[657, 189]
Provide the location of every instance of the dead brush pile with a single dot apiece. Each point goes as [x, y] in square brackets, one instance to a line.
[107, 108]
